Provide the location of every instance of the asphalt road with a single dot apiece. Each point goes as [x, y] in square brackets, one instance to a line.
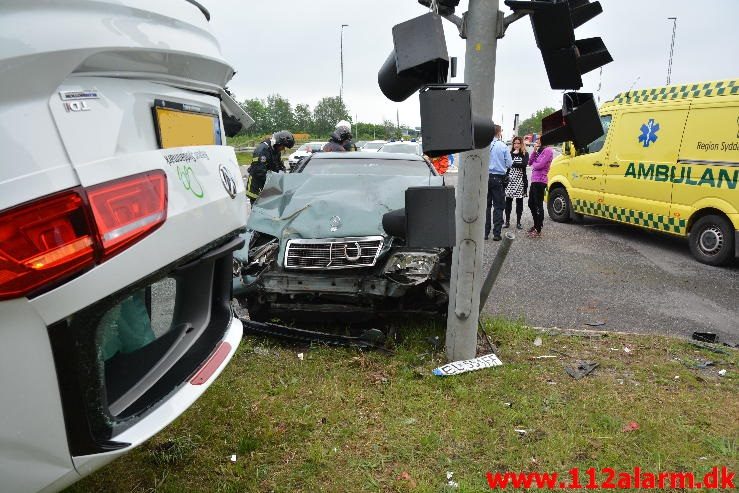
[630, 279]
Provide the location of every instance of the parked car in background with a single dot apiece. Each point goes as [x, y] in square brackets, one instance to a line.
[303, 151]
[372, 146]
[403, 148]
[315, 244]
[120, 206]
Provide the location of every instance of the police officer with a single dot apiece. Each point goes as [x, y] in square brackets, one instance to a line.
[267, 157]
[340, 139]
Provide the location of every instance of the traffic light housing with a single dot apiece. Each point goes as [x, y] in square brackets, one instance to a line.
[420, 57]
[446, 7]
[554, 22]
[448, 123]
[578, 121]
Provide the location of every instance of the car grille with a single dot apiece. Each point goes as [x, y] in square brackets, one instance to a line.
[333, 253]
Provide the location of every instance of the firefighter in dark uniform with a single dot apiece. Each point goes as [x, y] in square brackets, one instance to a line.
[267, 157]
[338, 140]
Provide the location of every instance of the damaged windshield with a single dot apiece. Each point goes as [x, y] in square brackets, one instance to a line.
[367, 167]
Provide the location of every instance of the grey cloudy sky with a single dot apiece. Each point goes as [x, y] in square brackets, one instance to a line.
[291, 48]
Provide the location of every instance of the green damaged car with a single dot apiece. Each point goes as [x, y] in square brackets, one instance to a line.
[316, 249]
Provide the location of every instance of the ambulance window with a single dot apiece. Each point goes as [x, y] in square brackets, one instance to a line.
[597, 144]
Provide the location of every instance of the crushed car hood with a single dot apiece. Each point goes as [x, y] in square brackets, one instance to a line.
[307, 206]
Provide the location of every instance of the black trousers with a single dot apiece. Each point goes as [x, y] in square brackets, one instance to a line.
[536, 204]
[496, 201]
[509, 207]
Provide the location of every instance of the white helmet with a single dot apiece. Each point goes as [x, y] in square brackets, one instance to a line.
[344, 123]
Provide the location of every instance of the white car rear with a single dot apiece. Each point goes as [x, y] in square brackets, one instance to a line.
[304, 150]
[120, 206]
[372, 146]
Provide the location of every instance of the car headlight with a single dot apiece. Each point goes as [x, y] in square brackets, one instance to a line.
[411, 268]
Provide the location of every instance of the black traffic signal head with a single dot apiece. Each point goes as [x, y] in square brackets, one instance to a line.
[446, 7]
[419, 58]
[578, 121]
[565, 58]
[448, 124]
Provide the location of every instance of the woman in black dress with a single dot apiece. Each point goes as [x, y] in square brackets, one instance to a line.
[517, 182]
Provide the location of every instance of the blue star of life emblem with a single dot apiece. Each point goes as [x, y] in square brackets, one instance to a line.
[649, 132]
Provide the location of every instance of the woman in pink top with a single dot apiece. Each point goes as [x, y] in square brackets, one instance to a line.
[540, 161]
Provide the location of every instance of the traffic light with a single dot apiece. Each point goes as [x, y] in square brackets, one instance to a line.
[578, 121]
[446, 7]
[448, 123]
[419, 58]
[566, 59]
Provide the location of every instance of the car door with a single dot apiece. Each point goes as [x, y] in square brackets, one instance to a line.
[638, 187]
[586, 172]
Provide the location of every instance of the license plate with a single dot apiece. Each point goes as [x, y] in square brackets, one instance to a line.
[181, 125]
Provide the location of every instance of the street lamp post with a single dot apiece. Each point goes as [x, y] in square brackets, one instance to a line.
[672, 48]
[341, 50]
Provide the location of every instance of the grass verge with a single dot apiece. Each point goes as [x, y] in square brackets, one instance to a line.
[343, 420]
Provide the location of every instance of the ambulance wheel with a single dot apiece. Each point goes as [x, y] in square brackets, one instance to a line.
[712, 240]
[559, 205]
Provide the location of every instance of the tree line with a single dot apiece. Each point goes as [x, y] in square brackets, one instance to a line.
[277, 113]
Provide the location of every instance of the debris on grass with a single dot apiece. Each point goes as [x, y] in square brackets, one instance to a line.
[301, 356]
[630, 426]
[521, 432]
[537, 342]
[458, 367]
[582, 369]
[406, 476]
[705, 337]
[722, 373]
[449, 481]
[595, 324]
[627, 350]
[545, 356]
[233, 457]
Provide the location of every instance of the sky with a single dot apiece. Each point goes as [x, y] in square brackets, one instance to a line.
[292, 48]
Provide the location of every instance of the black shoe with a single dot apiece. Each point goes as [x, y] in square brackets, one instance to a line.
[497, 238]
[518, 226]
[507, 225]
[487, 237]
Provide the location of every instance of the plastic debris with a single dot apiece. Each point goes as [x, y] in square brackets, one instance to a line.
[301, 356]
[546, 356]
[630, 426]
[449, 481]
[537, 342]
[520, 431]
[582, 369]
[507, 404]
[457, 367]
[233, 458]
[595, 324]
[627, 349]
[405, 476]
[705, 337]
[722, 372]
[677, 377]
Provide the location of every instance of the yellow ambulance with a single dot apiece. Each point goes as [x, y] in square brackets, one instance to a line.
[668, 161]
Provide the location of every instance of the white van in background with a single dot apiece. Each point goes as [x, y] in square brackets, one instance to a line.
[120, 206]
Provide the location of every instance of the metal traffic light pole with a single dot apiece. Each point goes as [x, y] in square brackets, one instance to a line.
[480, 28]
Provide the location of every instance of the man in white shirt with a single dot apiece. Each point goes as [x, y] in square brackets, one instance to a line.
[500, 161]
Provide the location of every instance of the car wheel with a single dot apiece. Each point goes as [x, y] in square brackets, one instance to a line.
[559, 205]
[712, 240]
